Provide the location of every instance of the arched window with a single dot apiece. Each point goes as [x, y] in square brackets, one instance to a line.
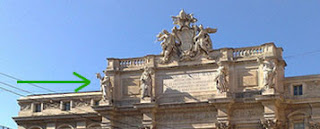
[298, 120]
[35, 127]
[65, 126]
[94, 126]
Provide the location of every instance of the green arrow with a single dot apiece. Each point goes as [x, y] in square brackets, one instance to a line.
[85, 81]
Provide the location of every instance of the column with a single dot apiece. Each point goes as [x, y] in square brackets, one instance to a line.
[269, 115]
[147, 119]
[106, 122]
[222, 116]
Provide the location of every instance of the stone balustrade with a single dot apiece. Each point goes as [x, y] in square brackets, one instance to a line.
[249, 51]
[132, 62]
[227, 54]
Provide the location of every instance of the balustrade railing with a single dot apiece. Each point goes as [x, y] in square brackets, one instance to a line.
[132, 62]
[250, 51]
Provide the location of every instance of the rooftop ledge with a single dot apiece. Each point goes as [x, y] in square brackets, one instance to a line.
[59, 95]
[267, 50]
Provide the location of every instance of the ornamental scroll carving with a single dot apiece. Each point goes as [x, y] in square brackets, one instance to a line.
[25, 107]
[313, 125]
[186, 41]
[268, 124]
[81, 103]
[272, 124]
[52, 105]
[224, 125]
[145, 127]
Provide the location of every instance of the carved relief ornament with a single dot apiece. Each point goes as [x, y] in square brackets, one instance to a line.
[185, 42]
[313, 125]
[223, 125]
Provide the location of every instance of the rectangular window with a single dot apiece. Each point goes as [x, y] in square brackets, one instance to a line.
[298, 125]
[96, 103]
[66, 106]
[297, 90]
[37, 107]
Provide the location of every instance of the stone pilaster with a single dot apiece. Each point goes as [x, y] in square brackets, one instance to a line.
[315, 116]
[222, 116]
[148, 114]
[269, 110]
[147, 119]
[106, 122]
[223, 112]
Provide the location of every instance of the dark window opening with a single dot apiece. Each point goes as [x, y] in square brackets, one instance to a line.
[37, 108]
[297, 90]
[66, 106]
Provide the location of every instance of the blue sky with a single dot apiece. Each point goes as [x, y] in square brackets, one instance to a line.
[48, 40]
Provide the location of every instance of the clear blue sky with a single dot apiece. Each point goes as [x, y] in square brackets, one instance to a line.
[48, 40]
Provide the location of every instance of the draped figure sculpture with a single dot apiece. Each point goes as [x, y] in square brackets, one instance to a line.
[203, 41]
[146, 83]
[187, 41]
[269, 71]
[221, 79]
[105, 87]
[167, 44]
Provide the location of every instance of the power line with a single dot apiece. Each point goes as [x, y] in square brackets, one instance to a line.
[51, 99]
[302, 54]
[11, 91]
[34, 85]
[70, 113]
[16, 87]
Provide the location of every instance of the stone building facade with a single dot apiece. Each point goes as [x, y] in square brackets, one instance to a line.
[188, 86]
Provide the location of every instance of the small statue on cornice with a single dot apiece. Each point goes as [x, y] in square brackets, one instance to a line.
[203, 41]
[146, 82]
[221, 79]
[105, 87]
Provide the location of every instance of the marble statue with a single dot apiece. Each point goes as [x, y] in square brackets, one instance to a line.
[221, 79]
[167, 44]
[183, 19]
[203, 41]
[105, 87]
[146, 83]
[185, 41]
[269, 71]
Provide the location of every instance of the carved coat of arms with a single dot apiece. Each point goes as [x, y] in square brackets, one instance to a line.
[185, 41]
